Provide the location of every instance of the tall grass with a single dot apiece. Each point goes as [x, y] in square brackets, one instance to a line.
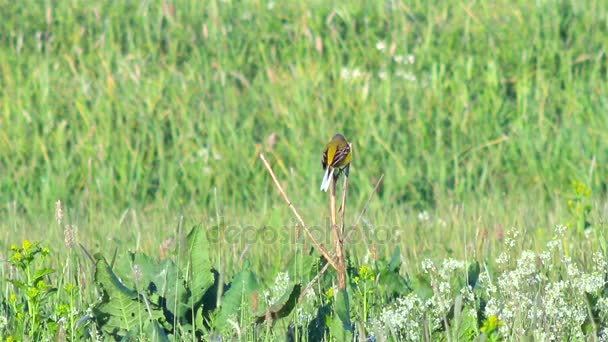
[480, 115]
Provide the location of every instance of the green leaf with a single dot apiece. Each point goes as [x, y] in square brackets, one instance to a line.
[421, 285]
[18, 284]
[342, 309]
[340, 327]
[467, 324]
[121, 309]
[201, 277]
[199, 319]
[155, 332]
[473, 274]
[162, 279]
[283, 306]
[395, 262]
[41, 273]
[392, 283]
[243, 291]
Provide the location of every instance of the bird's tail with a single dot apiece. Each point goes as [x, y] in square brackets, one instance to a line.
[326, 178]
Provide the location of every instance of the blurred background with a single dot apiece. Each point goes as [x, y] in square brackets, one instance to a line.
[481, 116]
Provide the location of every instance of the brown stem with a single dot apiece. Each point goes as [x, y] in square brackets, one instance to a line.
[314, 241]
[343, 208]
[337, 237]
[348, 234]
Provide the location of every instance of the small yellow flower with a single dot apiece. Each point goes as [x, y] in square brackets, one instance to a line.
[17, 257]
[33, 292]
[366, 272]
[27, 244]
[41, 285]
[491, 324]
[63, 310]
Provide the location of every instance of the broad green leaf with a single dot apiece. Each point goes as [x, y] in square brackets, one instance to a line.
[201, 277]
[162, 279]
[155, 332]
[340, 327]
[392, 283]
[342, 308]
[121, 309]
[242, 295]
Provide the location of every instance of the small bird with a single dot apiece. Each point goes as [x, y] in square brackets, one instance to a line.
[336, 158]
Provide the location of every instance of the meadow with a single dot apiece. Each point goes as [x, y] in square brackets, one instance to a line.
[134, 203]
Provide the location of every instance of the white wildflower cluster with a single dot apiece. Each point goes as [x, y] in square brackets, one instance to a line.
[600, 264]
[424, 216]
[402, 320]
[449, 266]
[556, 243]
[348, 74]
[427, 265]
[400, 63]
[443, 293]
[408, 59]
[529, 300]
[307, 311]
[560, 230]
[602, 307]
[280, 286]
[543, 295]
[511, 238]
[503, 259]
[406, 75]
[487, 286]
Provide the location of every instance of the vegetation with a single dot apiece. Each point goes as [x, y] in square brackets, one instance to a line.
[133, 202]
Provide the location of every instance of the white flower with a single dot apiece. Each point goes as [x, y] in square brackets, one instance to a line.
[427, 265]
[408, 76]
[402, 319]
[424, 216]
[560, 230]
[400, 59]
[381, 45]
[350, 74]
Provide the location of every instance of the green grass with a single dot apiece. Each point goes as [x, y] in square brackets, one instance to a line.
[136, 113]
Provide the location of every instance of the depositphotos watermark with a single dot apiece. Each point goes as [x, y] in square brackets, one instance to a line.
[293, 233]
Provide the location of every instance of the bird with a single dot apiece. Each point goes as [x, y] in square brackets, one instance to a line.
[336, 158]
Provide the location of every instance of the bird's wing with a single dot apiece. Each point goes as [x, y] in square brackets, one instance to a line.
[340, 156]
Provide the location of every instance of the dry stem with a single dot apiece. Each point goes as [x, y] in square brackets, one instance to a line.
[314, 241]
[337, 236]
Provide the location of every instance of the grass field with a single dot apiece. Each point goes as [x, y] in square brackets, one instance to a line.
[146, 118]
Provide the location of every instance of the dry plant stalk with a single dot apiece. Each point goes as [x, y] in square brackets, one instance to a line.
[346, 237]
[314, 241]
[337, 233]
